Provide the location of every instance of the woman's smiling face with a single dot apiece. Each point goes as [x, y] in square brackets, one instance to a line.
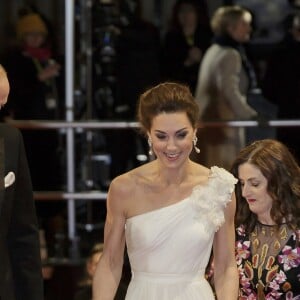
[172, 138]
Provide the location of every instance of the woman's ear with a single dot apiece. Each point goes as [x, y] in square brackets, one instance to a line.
[195, 131]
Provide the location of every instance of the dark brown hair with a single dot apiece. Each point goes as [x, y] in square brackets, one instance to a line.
[168, 97]
[282, 172]
[200, 8]
[97, 248]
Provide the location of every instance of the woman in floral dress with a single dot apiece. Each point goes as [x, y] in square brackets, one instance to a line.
[268, 221]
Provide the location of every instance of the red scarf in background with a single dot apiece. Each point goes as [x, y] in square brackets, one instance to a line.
[41, 54]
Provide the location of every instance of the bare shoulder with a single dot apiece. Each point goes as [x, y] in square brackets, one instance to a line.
[128, 183]
[124, 190]
[200, 169]
[200, 173]
[122, 185]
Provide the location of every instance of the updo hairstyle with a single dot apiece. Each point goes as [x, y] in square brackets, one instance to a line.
[166, 97]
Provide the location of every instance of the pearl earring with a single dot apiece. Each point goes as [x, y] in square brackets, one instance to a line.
[195, 140]
[150, 146]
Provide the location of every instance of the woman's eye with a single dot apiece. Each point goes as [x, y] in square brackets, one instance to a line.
[161, 137]
[182, 135]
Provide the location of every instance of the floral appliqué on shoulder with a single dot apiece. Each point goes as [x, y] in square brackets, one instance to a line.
[211, 199]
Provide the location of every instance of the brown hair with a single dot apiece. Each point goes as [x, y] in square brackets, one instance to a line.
[168, 97]
[282, 172]
[226, 16]
[87, 280]
[97, 248]
[200, 8]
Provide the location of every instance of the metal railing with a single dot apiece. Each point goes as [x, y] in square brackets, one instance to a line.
[96, 124]
[70, 194]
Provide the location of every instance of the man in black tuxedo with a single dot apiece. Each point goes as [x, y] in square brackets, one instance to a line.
[20, 263]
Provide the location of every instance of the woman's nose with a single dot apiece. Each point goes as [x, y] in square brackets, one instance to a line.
[171, 144]
[245, 190]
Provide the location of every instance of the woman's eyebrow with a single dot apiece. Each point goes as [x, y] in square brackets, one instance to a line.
[179, 130]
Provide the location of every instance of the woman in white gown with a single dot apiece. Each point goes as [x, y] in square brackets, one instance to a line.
[170, 212]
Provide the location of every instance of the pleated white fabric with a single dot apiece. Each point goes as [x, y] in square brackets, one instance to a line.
[169, 248]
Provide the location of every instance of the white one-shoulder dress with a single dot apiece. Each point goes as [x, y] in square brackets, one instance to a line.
[169, 248]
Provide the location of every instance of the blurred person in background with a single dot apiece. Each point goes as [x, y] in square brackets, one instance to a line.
[137, 68]
[185, 42]
[225, 76]
[281, 82]
[33, 71]
[85, 285]
[34, 74]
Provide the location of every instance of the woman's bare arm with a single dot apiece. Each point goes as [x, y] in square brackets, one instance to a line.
[225, 268]
[109, 268]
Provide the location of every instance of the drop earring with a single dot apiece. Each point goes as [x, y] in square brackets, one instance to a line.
[150, 146]
[195, 140]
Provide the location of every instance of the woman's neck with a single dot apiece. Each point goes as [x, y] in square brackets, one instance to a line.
[176, 176]
[266, 220]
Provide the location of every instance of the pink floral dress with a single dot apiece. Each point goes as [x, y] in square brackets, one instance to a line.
[268, 263]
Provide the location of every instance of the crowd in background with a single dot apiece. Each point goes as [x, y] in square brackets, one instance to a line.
[143, 56]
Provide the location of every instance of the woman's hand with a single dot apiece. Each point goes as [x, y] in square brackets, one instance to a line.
[194, 56]
[50, 71]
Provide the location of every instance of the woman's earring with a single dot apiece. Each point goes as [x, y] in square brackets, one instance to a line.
[195, 140]
[150, 146]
